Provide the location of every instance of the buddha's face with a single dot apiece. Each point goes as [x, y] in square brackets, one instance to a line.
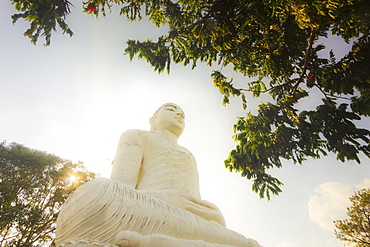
[169, 117]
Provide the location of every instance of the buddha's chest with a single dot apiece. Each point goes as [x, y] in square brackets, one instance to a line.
[160, 149]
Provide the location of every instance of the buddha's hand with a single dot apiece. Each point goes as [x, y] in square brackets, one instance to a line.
[207, 211]
[192, 204]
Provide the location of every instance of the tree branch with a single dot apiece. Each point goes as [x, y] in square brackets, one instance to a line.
[306, 59]
[9, 237]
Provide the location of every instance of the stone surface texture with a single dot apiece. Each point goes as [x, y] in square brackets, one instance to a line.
[152, 198]
[85, 242]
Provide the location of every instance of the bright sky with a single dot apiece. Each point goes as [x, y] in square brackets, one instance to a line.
[77, 96]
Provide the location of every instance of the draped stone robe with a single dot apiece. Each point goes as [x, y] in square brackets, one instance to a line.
[103, 207]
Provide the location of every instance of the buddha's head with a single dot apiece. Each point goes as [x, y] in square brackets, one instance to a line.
[168, 117]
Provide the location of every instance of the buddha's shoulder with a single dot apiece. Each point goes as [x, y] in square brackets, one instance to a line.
[134, 134]
[142, 134]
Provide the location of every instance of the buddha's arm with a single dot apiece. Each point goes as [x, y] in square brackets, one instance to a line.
[127, 162]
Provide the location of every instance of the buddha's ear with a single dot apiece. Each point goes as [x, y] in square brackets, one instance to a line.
[151, 121]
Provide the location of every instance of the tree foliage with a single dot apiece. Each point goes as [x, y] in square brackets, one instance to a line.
[33, 186]
[44, 17]
[276, 44]
[356, 229]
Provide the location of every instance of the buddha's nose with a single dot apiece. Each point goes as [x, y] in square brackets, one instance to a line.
[181, 114]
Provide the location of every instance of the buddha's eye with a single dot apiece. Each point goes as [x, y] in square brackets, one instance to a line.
[170, 109]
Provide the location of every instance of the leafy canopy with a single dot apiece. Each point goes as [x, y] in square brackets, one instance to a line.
[356, 229]
[44, 17]
[33, 187]
[275, 43]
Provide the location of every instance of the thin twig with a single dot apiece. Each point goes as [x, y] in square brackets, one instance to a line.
[327, 95]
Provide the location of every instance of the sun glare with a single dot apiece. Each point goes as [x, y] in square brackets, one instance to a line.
[72, 179]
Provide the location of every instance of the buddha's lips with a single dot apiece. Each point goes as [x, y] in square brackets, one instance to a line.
[180, 119]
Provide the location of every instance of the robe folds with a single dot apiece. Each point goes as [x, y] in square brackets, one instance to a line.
[101, 208]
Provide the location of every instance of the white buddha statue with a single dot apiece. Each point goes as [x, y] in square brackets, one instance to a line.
[152, 198]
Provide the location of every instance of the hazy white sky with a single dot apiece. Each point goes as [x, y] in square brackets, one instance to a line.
[75, 98]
